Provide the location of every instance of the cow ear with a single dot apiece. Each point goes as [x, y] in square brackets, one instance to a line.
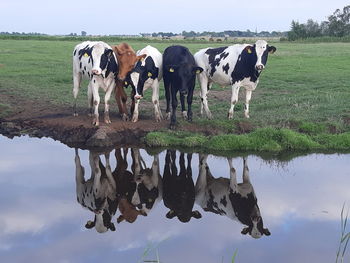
[112, 227]
[171, 68]
[245, 231]
[143, 213]
[271, 49]
[141, 57]
[197, 70]
[196, 214]
[120, 219]
[170, 214]
[89, 224]
[117, 51]
[266, 232]
[249, 49]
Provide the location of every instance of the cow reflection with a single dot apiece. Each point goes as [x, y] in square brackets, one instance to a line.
[138, 190]
[179, 190]
[98, 194]
[225, 196]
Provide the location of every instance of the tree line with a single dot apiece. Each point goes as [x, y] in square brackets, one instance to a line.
[337, 25]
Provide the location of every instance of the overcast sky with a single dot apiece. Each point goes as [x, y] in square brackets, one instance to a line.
[133, 17]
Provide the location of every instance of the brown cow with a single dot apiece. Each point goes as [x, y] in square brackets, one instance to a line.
[126, 60]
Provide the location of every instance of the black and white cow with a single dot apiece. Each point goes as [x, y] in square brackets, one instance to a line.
[179, 74]
[138, 190]
[226, 197]
[238, 65]
[147, 73]
[178, 188]
[96, 62]
[98, 194]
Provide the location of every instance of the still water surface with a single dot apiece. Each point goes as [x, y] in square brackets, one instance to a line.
[41, 219]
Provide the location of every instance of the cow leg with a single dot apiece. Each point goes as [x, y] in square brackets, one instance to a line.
[167, 87]
[155, 170]
[245, 171]
[155, 100]
[96, 97]
[90, 100]
[135, 116]
[248, 96]
[201, 182]
[189, 166]
[203, 81]
[124, 99]
[234, 99]
[107, 98]
[183, 106]
[189, 101]
[110, 177]
[174, 106]
[76, 86]
[79, 169]
[233, 177]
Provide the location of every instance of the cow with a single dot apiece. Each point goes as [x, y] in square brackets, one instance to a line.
[138, 190]
[98, 194]
[179, 74]
[225, 196]
[146, 73]
[238, 65]
[126, 58]
[96, 62]
[178, 188]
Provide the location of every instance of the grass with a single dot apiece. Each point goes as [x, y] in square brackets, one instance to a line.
[304, 88]
[344, 237]
[260, 140]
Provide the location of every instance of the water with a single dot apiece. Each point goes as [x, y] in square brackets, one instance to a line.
[41, 221]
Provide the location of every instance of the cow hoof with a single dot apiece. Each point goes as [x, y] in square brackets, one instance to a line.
[184, 115]
[172, 126]
[90, 114]
[95, 122]
[125, 117]
[158, 119]
[75, 114]
[167, 115]
[108, 121]
[247, 116]
[209, 116]
[230, 116]
[135, 119]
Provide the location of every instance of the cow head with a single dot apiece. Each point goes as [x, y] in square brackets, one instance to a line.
[102, 222]
[184, 217]
[128, 211]
[184, 74]
[261, 49]
[101, 56]
[143, 70]
[256, 226]
[126, 59]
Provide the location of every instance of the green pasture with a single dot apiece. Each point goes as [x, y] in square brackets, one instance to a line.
[305, 86]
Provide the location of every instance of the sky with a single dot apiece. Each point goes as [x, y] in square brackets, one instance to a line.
[137, 16]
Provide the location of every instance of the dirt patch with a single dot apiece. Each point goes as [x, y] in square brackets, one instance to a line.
[43, 119]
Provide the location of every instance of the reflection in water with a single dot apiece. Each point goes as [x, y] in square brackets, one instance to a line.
[225, 196]
[137, 190]
[98, 194]
[179, 193]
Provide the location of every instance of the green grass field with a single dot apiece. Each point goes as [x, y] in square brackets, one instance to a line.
[304, 87]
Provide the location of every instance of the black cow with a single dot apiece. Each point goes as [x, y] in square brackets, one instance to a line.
[179, 74]
[178, 189]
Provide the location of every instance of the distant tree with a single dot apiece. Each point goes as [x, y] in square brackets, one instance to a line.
[339, 22]
[83, 33]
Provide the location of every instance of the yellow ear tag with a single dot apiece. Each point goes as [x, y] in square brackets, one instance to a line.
[142, 59]
[198, 71]
[171, 70]
[249, 51]
[86, 55]
[126, 83]
[149, 74]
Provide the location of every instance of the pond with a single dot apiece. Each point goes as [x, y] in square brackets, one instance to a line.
[182, 211]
